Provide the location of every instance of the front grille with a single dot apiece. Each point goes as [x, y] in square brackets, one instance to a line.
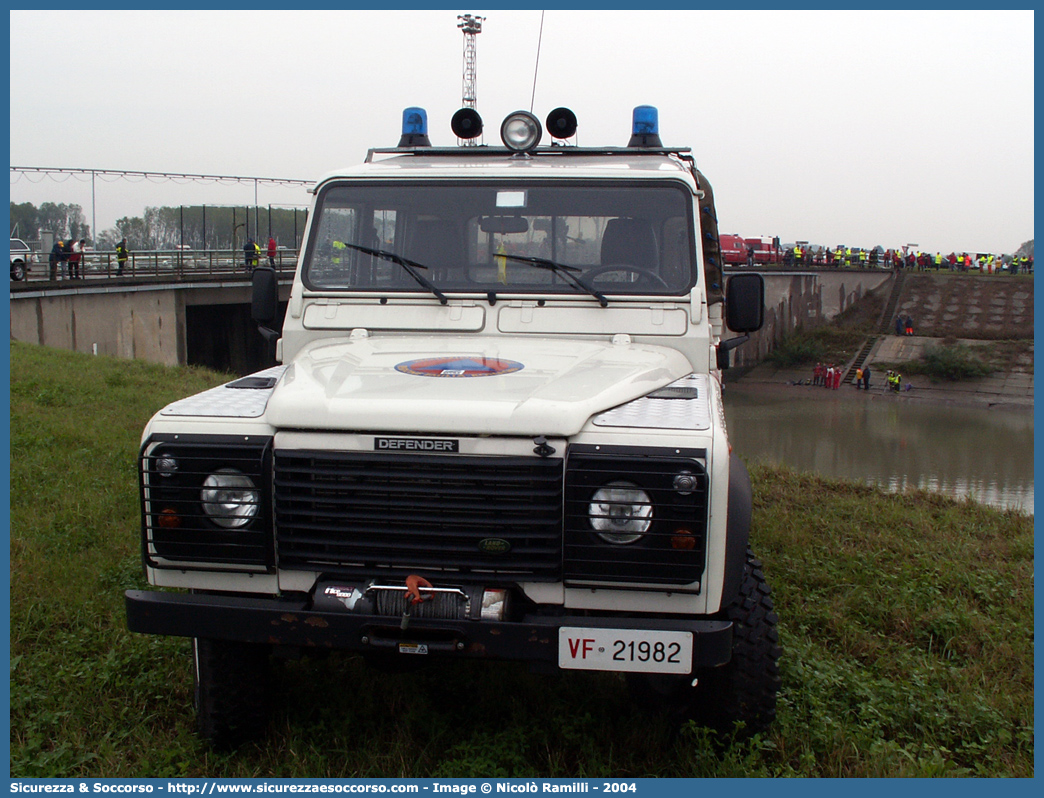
[673, 550]
[377, 514]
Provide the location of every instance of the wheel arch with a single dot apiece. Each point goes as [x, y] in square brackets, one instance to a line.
[737, 533]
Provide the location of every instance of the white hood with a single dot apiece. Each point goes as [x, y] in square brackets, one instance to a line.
[465, 385]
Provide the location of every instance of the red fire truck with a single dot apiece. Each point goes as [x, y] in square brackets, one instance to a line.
[733, 249]
[766, 249]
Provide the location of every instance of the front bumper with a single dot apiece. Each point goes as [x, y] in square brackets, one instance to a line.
[294, 623]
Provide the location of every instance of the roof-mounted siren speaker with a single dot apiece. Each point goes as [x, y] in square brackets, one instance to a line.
[645, 127]
[561, 123]
[414, 128]
[466, 124]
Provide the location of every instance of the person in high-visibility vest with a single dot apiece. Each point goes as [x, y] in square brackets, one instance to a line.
[501, 264]
[122, 254]
[338, 248]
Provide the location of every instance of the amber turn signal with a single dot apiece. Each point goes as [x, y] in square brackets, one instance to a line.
[683, 539]
[169, 519]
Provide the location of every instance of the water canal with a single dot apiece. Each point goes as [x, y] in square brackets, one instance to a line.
[984, 454]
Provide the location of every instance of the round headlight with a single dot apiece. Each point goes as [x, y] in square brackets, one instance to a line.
[230, 498]
[521, 131]
[621, 512]
[166, 465]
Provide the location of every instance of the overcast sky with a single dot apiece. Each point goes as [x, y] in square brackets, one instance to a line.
[838, 127]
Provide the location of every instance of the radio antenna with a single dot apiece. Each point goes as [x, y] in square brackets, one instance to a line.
[540, 38]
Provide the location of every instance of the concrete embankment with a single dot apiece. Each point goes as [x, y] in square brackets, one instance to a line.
[975, 310]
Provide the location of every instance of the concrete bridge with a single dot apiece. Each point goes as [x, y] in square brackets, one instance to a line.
[207, 322]
[198, 322]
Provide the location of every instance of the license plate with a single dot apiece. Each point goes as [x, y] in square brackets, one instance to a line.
[629, 650]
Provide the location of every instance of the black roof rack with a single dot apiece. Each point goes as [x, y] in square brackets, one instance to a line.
[539, 151]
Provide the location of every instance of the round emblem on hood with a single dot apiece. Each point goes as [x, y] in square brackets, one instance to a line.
[459, 366]
[494, 546]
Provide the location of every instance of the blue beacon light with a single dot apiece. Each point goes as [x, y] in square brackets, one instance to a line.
[645, 127]
[414, 128]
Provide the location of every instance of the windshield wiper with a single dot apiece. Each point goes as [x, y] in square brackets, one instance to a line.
[407, 264]
[562, 270]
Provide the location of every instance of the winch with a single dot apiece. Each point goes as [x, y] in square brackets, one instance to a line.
[397, 601]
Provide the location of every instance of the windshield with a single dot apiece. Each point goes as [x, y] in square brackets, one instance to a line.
[632, 237]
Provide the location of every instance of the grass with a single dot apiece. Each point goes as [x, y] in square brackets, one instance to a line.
[954, 361]
[950, 362]
[907, 626]
[823, 344]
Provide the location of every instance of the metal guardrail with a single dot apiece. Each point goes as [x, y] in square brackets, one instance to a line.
[164, 264]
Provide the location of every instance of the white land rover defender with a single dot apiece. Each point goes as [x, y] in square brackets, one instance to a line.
[496, 433]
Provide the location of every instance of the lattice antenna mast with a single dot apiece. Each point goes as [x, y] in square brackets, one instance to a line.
[471, 26]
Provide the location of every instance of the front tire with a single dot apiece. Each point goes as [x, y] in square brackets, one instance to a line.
[231, 691]
[18, 271]
[744, 689]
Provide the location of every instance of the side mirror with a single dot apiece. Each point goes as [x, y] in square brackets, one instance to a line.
[745, 303]
[265, 301]
[744, 312]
